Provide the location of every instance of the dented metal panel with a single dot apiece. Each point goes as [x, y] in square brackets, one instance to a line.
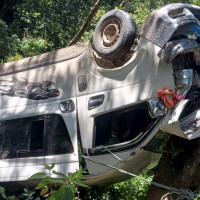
[174, 48]
[162, 23]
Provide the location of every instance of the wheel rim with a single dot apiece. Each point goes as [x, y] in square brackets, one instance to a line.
[109, 32]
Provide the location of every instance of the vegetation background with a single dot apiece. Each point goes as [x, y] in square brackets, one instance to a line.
[32, 27]
[29, 28]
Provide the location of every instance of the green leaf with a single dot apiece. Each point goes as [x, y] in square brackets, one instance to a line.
[80, 183]
[51, 198]
[53, 165]
[69, 175]
[13, 197]
[63, 187]
[75, 175]
[26, 190]
[44, 191]
[73, 189]
[84, 172]
[2, 192]
[43, 183]
[60, 174]
[57, 180]
[38, 175]
[57, 195]
[49, 167]
[69, 195]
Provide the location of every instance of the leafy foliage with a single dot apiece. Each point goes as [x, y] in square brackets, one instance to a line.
[33, 46]
[134, 189]
[54, 21]
[26, 195]
[8, 43]
[33, 27]
[63, 186]
[53, 186]
[40, 26]
[12, 48]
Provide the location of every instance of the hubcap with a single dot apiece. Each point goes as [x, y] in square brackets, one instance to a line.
[110, 32]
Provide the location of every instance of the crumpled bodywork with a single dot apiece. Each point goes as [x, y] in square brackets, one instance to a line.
[164, 23]
[180, 45]
[176, 47]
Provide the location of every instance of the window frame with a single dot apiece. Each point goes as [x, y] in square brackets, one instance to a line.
[31, 119]
[121, 146]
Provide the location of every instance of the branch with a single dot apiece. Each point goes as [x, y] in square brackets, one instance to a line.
[87, 21]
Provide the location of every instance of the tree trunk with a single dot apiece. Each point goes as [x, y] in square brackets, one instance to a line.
[179, 169]
[83, 28]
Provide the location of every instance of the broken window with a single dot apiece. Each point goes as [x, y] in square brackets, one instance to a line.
[122, 125]
[34, 136]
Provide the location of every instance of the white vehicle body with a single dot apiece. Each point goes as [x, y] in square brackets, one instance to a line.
[100, 110]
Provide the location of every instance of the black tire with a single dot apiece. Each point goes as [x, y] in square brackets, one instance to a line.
[114, 34]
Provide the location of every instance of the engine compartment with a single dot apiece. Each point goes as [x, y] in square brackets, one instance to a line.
[189, 61]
